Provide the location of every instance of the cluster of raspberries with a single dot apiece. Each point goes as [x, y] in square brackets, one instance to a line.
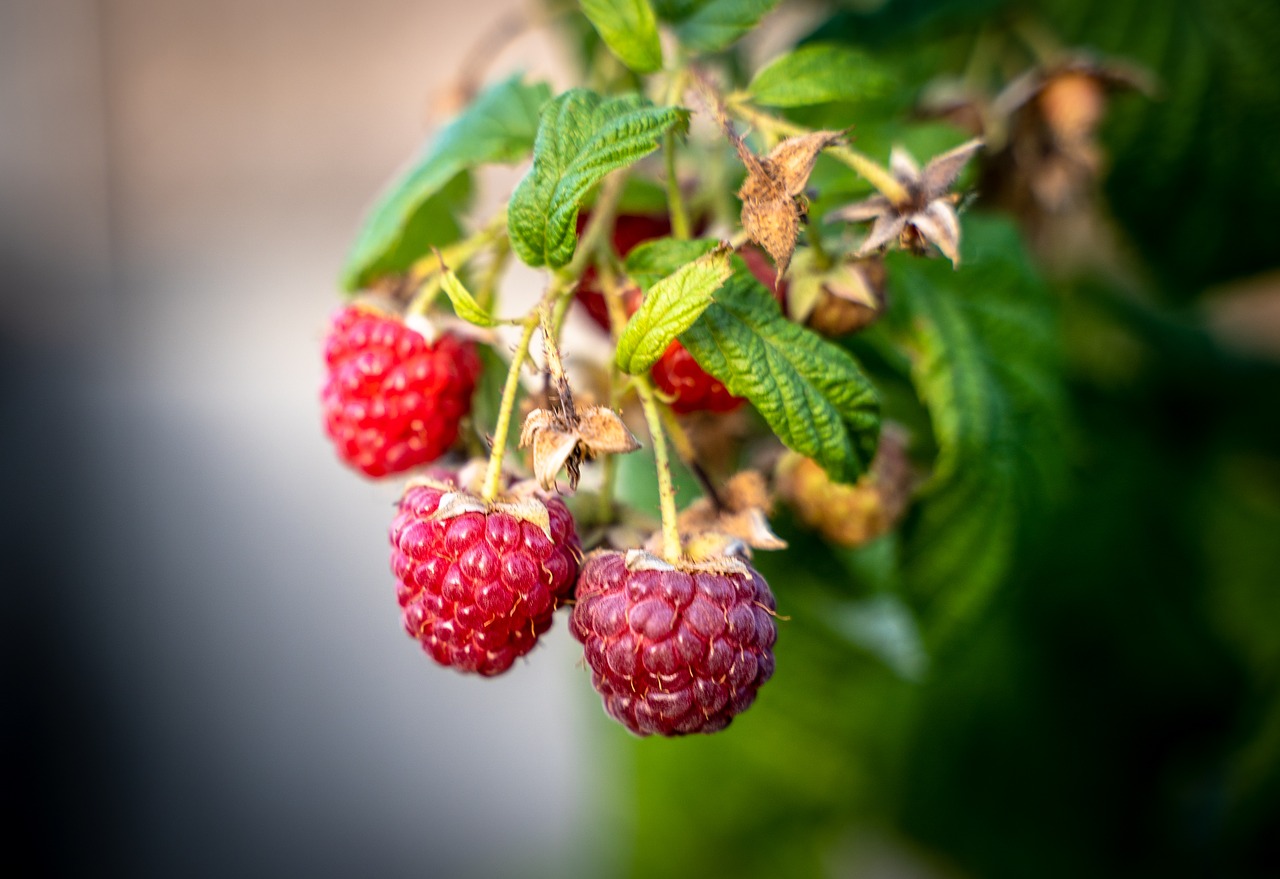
[673, 648]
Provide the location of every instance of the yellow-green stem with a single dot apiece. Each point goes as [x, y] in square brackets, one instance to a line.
[671, 549]
[675, 198]
[459, 252]
[493, 475]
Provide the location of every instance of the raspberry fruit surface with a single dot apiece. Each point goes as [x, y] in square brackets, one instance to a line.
[690, 387]
[674, 652]
[392, 400]
[477, 589]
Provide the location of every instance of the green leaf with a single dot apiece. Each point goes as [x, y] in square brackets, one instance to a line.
[716, 24]
[812, 393]
[818, 74]
[986, 367]
[670, 307]
[416, 210]
[581, 138]
[464, 304]
[629, 29]
[651, 261]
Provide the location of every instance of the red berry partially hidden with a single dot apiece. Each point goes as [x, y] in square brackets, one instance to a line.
[674, 651]
[690, 387]
[629, 230]
[392, 400]
[478, 583]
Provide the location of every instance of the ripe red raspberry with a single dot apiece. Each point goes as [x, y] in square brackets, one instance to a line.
[674, 651]
[478, 582]
[393, 400]
[690, 387]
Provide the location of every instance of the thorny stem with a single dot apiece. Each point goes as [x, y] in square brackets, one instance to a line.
[868, 169]
[671, 549]
[493, 475]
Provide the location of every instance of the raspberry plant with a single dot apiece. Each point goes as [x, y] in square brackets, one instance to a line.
[779, 276]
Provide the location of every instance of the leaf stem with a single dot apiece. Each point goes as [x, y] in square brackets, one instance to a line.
[671, 549]
[493, 475]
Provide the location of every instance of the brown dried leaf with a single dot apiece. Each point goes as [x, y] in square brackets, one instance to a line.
[860, 211]
[886, 229]
[552, 450]
[745, 490]
[456, 503]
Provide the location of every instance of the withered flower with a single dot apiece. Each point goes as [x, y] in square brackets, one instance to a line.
[565, 438]
[929, 213]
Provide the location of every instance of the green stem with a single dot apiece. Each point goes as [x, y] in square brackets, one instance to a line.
[493, 475]
[459, 252]
[873, 173]
[675, 198]
[671, 549]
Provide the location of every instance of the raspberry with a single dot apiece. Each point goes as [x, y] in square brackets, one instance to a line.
[478, 587]
[691, 387]
[393, 400]
[674, 651]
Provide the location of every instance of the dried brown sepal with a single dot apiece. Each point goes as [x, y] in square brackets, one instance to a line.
[742, 516]
[773, 194]
[928, 217]
[564, 440]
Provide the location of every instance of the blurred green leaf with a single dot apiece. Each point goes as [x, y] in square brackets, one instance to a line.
[417, 208]
[629, 29]
[712, 25]
[819, 73]
[464, 304]
[987, 367]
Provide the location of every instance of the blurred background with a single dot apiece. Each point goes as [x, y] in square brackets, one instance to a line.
[204, 668]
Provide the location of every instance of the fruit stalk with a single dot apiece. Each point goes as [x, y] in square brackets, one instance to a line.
[493, 475]
[671, 549]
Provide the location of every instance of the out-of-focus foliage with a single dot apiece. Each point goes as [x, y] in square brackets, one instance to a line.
[1109, 704]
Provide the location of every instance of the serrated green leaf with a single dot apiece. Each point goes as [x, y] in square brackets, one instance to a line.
[464, 304]
[670, 307]
[717, 24]
[986, 368]
[629, 29]
[820, 73]
[581, 138]
[416, 210]
[651, 261]
[812, 393]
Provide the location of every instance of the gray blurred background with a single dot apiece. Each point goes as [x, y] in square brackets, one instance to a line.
[205, 672]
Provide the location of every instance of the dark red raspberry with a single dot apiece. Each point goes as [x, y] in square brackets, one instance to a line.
[674, 651]
[478, 588]
[393, 400]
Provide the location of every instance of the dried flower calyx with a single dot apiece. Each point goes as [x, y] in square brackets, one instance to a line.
[564, 438]
[928, 216]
